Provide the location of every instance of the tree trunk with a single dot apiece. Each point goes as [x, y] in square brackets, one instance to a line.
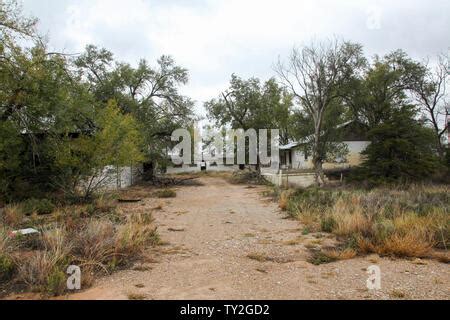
[317, 161]
[441, 148]
[318, 170]
[258, 164]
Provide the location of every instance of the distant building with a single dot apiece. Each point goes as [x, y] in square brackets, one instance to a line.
[295, 156]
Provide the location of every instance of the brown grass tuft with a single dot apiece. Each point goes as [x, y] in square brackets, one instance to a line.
[261, 257]
[136, 296]
[406, 223]
[409, 245]
[165, 193]
[345, 254]
[13, 215]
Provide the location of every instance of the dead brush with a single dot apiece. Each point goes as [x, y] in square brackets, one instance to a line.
[165, 193]
[284, 200]
[94, 244]
[7, 263]
[104, 204]
[44, 270]
[397, 221]
[6, 243]
[408, 245]
[260, 257]
[349, 218]
[336, 254]
[13, 215]
[136, 234]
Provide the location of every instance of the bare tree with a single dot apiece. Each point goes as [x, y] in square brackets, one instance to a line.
[430, 93]
[315, 75]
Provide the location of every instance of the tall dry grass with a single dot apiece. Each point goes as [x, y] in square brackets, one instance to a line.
[43, 270]
[7, 247]
[95, 244]
[403, 222]
[12, 215]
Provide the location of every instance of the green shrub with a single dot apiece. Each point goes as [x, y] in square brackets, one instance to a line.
[327, 224]
[38, 206]
[56, 282]
[383, 229]
[318, 258]
[7, 267]
[306, 231]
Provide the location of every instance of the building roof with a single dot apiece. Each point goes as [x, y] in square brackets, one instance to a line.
[350, 133]
[291, 145]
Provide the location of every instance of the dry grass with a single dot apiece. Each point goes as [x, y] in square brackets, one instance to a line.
[409, 245]
[443, 257]
[293, 242]
[94, 243]
[136, 296]
[6, 243]
[336, 254]
[165, 193]
[260, 257]
[7, 247]
[13, 215]
[159, 207]
[44, 270]
[283, 200]
[136, 234]
[405, 223]
[349, 218]
[104, 204]
[397, 294]
[249, 177]
[136, 192]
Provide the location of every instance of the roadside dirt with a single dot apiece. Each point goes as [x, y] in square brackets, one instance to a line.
[211, 230]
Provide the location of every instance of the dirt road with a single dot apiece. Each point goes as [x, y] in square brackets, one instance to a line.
[211, 231]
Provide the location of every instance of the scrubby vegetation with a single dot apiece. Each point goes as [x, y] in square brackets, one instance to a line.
[251, 177]
[68, 122]
[97, 237]
[166, 193]
[410, 222]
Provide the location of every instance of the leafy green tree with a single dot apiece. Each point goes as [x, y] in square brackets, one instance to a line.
[116, 142]
[331, 148]
[430, 93]
[316, 75]
[150, 94]
[41, 99]
[248, 104]
[384, 85]
[402, 149]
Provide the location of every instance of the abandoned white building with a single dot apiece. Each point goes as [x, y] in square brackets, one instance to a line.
[295, 156]
[296, 164]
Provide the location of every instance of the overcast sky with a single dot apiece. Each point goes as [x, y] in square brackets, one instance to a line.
[215, 38]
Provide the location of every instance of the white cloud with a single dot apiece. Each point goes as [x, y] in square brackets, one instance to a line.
[214, 38]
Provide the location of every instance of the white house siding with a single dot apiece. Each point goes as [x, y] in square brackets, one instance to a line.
[354, 157]
[296, 180]
[125, 177]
